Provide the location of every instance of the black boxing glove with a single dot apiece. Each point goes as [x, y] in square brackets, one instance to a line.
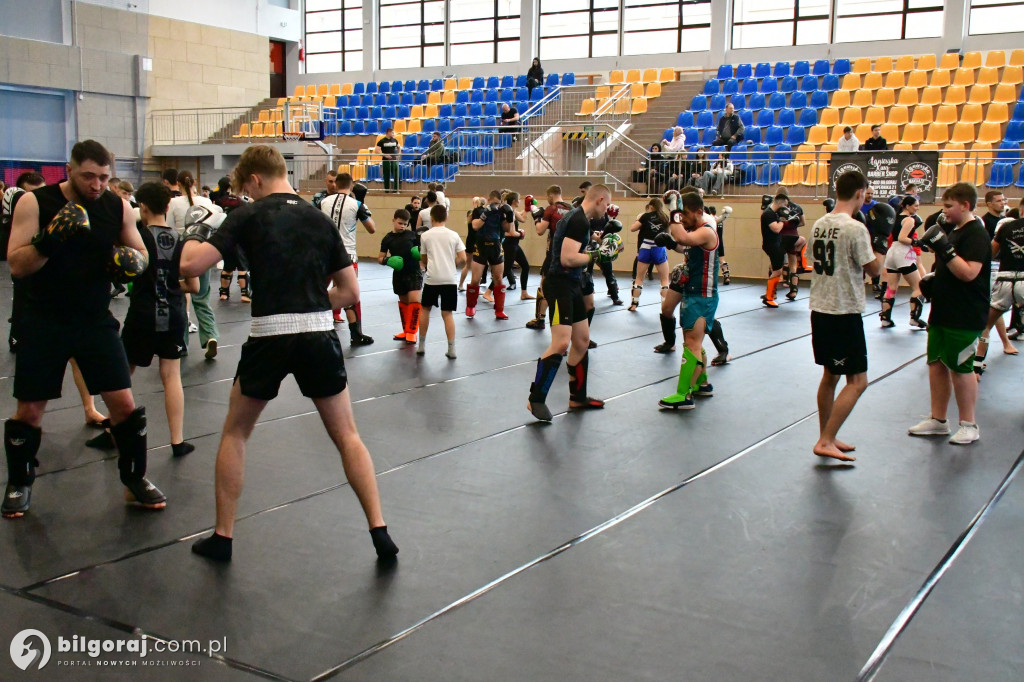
[665, 239]
[69, 221]
[829, 204]
[766, 200]
[860, 218]
[938, 242]
[927, 286]
[792, 222]
[613, 227]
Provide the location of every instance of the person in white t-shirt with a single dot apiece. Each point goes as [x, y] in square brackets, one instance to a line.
[442, 254]
[438, 189]
[842, 254]
[848, 142]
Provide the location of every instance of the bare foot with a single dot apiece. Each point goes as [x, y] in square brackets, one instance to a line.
[844, 447]
[1010, 350]
[94, 418]
[832, 451]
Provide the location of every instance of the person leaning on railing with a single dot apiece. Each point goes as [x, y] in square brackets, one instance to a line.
[435, 152]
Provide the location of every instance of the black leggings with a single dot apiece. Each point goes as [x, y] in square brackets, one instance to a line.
[514, 253]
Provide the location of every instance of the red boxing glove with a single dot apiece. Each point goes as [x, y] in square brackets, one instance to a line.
[529, 200]
[613, 211]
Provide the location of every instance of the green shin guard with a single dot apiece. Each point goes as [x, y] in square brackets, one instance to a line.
[690, 365]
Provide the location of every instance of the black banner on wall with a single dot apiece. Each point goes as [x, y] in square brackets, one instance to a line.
[889, 172]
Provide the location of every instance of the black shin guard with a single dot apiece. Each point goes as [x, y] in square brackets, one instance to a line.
[21, 444]
[668, 329]
[916, 308]
[578, 379]
[718, 337]
[130, 437]
[590, 317]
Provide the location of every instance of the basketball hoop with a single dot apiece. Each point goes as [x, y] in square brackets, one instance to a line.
[292, 135]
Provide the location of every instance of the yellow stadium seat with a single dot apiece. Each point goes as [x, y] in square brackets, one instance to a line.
[974, 172]
[852, 117]
[946, 114]
[636, 90]
[926, 62]
[817, 173]
[874, 115]
[840, 99]
[861, 99]
[793, 175]
[243, 131]
[451, 83]
[885, 97]
[909, 97]
[996, 59]
[804, 155]
[310, 91]
[953, 152]
[399, 126]
[983, 152]
[433, 97]
[264, 115]
[955, 95]
[322, 90]
[942, 78]
[890, 131]
[923, 114]
[998, 112]
[414, 126]
[962, 133]
[331, 101]
[862, 132]
[896, 80]
[904, 63]
[872, 81]
[335, 89]
[1005, 93]
[851, 81]
[913, 133]
[987, 75]
[653, 90]
[650, 75]
[633, 76]
[989, 132]
[667, 75]
[829, 117]
[917, 79]
[639, 106]
[465, 84]
[277, 114]
[1017, 58]
[281, 101]
[980, 94]
[950, 60]
[416, 112]
[861, 65]
[937, 133]
[964, 77]
[898, 116]
[883, 65]
[615, 77]
[622, 105]
[928, 146]
[346, 88]
[902, 147]
[262, 130]
[448, 97]
[948, 173]
[430, 111]
[602, 92]
[587, 108]
[817, 135]
[972, 60]
[931, 96]
[1012, 75]
[300, 91]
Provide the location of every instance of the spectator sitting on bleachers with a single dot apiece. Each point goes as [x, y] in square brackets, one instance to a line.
[535, 76]
[435, 152]
[652, 171]
[673, 150]
[730, 128]
[848, 142]
[691, 172]
[713, 180]
[509, 118]
[876, 143]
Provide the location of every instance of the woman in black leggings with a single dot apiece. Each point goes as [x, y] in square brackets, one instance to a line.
[513, 252]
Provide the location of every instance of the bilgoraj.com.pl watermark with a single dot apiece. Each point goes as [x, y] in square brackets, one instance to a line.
[32, 650]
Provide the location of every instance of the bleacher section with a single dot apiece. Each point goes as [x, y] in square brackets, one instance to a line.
[972, 109]
[642, 86]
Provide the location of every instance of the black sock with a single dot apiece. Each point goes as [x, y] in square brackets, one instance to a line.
[181, 449]
[216, 547]
[382, 542]
[718, 337]
[104, 441]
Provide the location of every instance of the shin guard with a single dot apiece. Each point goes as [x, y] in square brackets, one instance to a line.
[243, 283]
[771, 288]
[499, 299]
[668, 329]
[414, 322]
[688, 369]
[538, 306]
[472, 294]
[725, 273]
[21, 444]
[403, 313]
[130, 438]
[578, 384]
[547, 370]
[718, 337]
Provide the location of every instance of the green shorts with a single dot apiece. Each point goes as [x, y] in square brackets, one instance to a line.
[953, 347]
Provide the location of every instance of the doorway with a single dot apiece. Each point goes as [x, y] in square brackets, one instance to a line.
[278, 86]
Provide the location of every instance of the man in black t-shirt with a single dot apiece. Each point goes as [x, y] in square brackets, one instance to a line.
[773, 220]
[389, 151]
[567, 310]
[995, 203]
[510, 122]
[1008, 287]
[332, 188]
[294, 249]
[556, 210]
[494, 221]
[62, 247]
[876, 143]
[959, 291]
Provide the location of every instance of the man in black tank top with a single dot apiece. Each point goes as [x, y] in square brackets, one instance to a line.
[62, 244]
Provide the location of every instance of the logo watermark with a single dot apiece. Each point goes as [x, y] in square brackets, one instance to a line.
[31, 650]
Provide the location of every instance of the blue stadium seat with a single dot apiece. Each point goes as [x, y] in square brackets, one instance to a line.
[509, 81]
[762, 70]
[521, 80]
[437, 84]
[371, 88]
[363, 113]
[1009, 152]
[1020, 177]
[403, 110]
[743, 71]
[377, 113]
[841, 67]
[479, 83]
[787, 84]
[569, 78]
[692, 135]
[781, 69]
[724, 72]
[748, 86]
[444, 111]
[830, 83]
[420, 97]
[491, 109]
[801, 68]
[485, 158]
[809, 83]
[798, 100]
[492, 96]
[489, 121]
[391, 113]
[708, 136]
[537, 94]
[444, 125]
[808, 118]
[393, 99]
[476, 109]
[551, 81]
[397, 86]
[423, 85]
[819, 99]
[358, 88]
[796, 135]
[349, 113]
[1014, 132]
[768, 174]
[358, 127]
[787, 117]
[429, 125]
[370, 127]
[410, 86]
[373, 173]
[716, 103]
[462, 96]
[777, 101]
[821, 67]
[684, 120]
[711, 87]
[477, 95]
[730, 86]
[756, 101]
[699, 103]
[773, 135]
[343, 128]
[1018, 111]
[384, 86]
[408, 99]
[752, 134]
[506, 95]
[458, 122]
[493, 82]
[705, 119]
[1001, 175]
[769, 85]
[765, 117]
[667, 135]
[782, 154]
[747, 116]
[473, 122]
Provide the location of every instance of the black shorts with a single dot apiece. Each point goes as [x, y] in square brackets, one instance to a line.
[721, 241]
[44, 348]
[488, 252]
[905, 270]
[565, 301]
[587, 283]
[838, 342]
[140, 345]
[471, 241]
[236, 260]
[402, 282]
[776, 255]
[446, 294]
[789, 243]
[314, 358]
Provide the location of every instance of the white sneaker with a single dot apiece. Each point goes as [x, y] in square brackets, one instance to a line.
[930, 427]
[192, 328]
[966, 434]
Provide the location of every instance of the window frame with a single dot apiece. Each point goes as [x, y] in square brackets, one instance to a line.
[994, 5]
[795, 21]
[423, 25]
[341, 51]
[904, 13]
[679, 29]
[495, 41]
[590, 34]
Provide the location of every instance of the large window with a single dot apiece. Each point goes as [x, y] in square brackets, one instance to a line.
[483, 31]
[572, 29]
[860, 20]
[995, 16]
[776, 23]
[411, 33]
[334, 35]
[666, 26]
